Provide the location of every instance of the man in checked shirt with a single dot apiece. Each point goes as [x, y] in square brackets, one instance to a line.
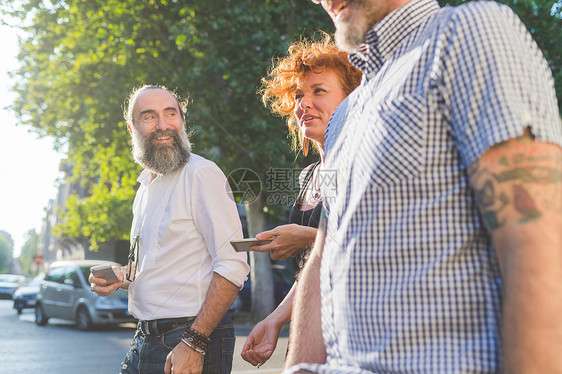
[442, 250]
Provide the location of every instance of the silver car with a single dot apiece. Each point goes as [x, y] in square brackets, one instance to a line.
[65, 293]
[26, 295]
[9, 283]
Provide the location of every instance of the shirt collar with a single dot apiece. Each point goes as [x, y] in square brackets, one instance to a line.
[145, 177]
[381, 41]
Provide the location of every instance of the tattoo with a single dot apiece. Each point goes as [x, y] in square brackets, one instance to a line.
[485, 195]
[531, 174]
[475, 172]
[486, 198]
[491, 217]
[491, 220]
[518, 181]
[525, 204]
[520, 157]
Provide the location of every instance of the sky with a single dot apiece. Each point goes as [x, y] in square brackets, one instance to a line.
[28, 164]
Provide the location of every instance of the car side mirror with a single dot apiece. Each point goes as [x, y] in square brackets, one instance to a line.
[69, 282]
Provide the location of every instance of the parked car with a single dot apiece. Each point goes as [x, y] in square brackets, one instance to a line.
[65, 293]
[26, 295]
[9, 283]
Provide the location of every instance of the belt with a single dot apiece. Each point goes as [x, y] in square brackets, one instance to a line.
[161, 326]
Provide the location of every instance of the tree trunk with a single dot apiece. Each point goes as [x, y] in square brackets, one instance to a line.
[263, 301]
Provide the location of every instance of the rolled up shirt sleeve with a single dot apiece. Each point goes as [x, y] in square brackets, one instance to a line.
[216, 217]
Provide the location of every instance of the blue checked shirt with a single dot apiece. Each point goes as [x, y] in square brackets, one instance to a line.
[410, 282]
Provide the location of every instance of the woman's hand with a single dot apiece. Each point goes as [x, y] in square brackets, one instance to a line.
[286, 241]
[261, 342]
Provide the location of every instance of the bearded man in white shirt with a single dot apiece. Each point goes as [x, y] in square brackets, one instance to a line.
[183, 275]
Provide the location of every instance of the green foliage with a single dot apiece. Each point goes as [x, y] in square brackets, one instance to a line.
[6, 251]
[81, 58]
[28, 251]
[106, 213]
[543, 19]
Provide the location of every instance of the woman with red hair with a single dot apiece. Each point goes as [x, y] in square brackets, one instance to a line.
[305, 87]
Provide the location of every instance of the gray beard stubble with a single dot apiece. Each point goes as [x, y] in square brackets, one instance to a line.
[350, 36]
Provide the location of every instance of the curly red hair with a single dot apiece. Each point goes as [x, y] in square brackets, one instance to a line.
[278, 88]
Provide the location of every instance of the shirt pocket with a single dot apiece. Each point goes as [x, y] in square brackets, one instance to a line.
[394, 140]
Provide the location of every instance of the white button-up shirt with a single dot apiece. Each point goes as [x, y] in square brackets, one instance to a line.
[185, 221]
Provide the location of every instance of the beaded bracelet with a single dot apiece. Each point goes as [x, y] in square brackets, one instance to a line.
[198, 335]
[196, 349]
[195, 338]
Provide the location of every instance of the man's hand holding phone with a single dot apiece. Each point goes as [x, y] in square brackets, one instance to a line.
[105, 279]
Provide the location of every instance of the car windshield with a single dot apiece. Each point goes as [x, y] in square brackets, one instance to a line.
[35, 281]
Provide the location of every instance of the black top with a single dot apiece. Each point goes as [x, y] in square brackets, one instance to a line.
[310, 217]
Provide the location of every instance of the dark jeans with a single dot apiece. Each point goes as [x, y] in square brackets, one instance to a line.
[148, 352]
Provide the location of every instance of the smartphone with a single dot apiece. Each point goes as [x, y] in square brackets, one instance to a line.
[104, 271]
[244, 245]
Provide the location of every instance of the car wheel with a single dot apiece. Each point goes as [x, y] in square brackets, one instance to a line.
[83, 320]
[20, 310]
[40, 317]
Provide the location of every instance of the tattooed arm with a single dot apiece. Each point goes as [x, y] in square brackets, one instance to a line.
[518, 185]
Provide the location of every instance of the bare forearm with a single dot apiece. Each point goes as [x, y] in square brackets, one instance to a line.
[531, 328]
[306, 343]
[518, 186]
[282, 314]
[219, 298]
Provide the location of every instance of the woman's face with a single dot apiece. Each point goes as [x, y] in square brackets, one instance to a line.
[316, 97]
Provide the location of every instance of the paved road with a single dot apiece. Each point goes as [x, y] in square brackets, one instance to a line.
[59, 348]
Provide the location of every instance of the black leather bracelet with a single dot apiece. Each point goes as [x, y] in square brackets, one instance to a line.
[197, 335]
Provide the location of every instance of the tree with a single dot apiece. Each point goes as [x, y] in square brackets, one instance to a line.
[6, 251]
[80, 59]
[29, 250]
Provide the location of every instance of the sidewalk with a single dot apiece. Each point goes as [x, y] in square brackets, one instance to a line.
[273, 365]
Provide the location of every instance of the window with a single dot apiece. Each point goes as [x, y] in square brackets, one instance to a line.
[73, 275]
[55, 275]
